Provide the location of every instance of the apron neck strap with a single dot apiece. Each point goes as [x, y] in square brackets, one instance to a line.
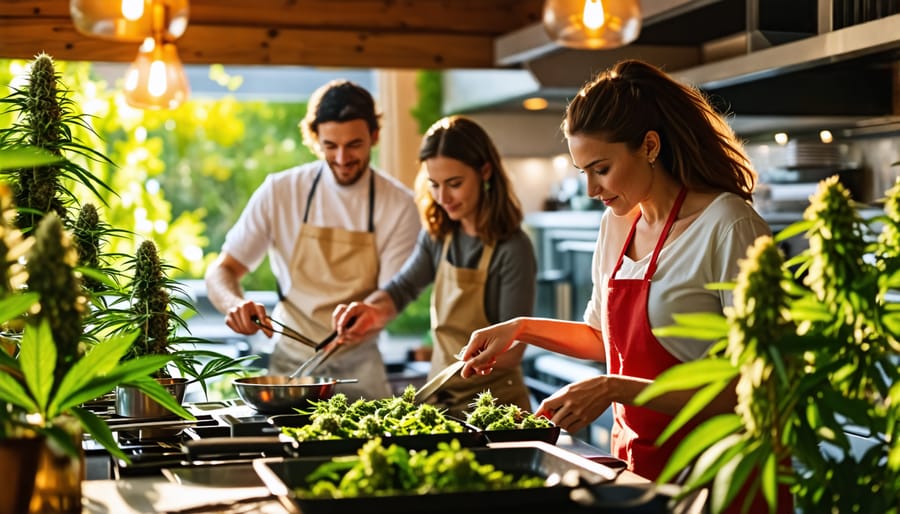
[371, 200]
[315, 184]
[312, 191]
[673, 215]
[487, 252]
[670, 220]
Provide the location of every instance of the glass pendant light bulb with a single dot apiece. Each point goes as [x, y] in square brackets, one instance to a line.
[128, 20]
[156, 78]
[592, 24]
[132, 10]
[593, 16]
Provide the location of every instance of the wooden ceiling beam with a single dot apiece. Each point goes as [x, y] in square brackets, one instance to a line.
[480, 17]
[239, 45]
[426, 34]
[487, 17]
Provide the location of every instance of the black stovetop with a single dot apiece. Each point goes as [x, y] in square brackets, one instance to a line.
[154, 444]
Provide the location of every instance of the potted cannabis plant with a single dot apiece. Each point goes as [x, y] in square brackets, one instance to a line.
[150, 304]
[48, 367]
[51, 374]
[813, 347]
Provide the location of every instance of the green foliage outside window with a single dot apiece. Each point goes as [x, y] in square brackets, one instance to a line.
[429, 109]
[415, 318]
[182, 176]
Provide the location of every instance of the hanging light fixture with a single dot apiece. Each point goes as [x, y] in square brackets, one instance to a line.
[156, 79]
[592, 24]
[128, 20]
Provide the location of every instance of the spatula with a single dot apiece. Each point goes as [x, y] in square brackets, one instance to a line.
[437, 381]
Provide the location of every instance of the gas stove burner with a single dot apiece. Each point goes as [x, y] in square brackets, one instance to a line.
[149, 435]
[253, 425]
[152, 444]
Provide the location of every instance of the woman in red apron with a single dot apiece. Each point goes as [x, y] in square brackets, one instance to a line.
[677, 191]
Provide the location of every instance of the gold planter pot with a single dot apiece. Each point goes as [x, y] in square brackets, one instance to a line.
[57, 483]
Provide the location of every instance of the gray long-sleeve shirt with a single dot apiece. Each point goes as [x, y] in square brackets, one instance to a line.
[510, 288]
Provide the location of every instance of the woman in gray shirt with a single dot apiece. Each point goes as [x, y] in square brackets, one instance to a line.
[474, 251]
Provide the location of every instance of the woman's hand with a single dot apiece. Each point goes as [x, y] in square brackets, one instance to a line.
[353, 322]
[576, 405]
[485, 344]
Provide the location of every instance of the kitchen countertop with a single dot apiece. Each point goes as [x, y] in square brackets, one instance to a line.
[157, 494]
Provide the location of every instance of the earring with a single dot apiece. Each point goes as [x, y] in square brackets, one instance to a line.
[487, 186]
[652, 163]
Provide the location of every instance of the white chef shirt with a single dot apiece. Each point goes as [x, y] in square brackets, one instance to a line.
[272, 218]
[707, 251]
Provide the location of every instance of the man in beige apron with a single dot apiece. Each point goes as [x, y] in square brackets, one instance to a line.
[457, 310]
[331, 266]
[317, 224]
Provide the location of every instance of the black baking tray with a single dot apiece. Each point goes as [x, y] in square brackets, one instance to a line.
[281, 476]
[469, 438]
[546, 434]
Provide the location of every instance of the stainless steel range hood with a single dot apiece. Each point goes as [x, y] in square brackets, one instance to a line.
[773, 64]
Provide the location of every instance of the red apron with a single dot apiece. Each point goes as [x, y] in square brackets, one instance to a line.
[635, 351]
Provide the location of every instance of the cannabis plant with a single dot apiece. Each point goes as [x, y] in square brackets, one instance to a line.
[88, 232]
[46, 119]
[47, 375]
[152, 304]
[812, 345]
[13, 246]
[51, 274]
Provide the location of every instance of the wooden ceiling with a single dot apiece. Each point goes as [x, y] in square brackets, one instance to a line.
[423, 34]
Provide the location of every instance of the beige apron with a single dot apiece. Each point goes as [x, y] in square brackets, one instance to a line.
[331, 266]
[457, 310]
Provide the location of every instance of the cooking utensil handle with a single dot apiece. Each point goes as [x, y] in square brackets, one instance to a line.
[334, 334]
[313, 362]
[327, 340]
[288, 331]
[235, 445]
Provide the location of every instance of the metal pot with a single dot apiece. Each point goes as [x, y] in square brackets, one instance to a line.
[277, 394]
[131, 402]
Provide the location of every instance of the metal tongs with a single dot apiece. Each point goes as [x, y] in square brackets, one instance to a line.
[318, 358]
[293, 334]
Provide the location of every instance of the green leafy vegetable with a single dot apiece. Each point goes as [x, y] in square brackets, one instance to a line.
[335, 418]
[487, 415]
[380, 471]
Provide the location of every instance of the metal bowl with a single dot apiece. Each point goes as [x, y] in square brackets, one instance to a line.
[277, 394]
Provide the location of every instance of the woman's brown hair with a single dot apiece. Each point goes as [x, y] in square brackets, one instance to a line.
[697, 145]
[499, 213]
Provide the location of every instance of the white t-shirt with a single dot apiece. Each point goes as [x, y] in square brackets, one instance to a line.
[272, 218]
[707, 251]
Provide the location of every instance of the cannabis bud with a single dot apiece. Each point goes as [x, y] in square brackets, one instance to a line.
[51, 273]
[150, 302]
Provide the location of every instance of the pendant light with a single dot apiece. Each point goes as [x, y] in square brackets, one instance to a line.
[592, 24]
[156, 79]
[128, 20]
